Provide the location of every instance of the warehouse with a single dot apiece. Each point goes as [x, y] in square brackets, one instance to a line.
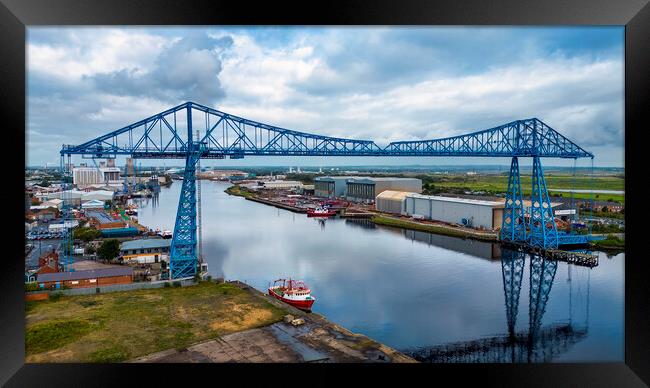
[99, 195]
[330, 186]
[283, 185]
[366, 189]
[93, 204]
[391, 201]
[471, 212]
[86, 278]
[146, 251]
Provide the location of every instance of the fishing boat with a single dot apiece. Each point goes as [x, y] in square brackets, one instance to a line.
[293, 292]
[320, 212]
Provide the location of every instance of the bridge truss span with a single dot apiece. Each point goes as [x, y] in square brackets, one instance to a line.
[168, 135]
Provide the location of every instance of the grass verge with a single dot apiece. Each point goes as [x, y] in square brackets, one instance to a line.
[119, 326]
[238, 191]
[389, 221]
[610, 243]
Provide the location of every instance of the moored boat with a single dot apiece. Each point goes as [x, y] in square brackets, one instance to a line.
[320, 212]
[293, 292]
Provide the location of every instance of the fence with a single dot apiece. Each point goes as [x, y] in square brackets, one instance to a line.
[118, 287]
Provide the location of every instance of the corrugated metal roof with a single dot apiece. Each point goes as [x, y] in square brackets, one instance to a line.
[381, 179]
[87, 274]
[457, 200]
[146, 243]
[392, 194]
[102, 217]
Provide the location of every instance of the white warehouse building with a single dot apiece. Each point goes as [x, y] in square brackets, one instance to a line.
[470, 212]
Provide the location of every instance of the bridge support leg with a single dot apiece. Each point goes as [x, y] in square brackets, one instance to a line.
[183, 260]
[543, 231]
[513, 224]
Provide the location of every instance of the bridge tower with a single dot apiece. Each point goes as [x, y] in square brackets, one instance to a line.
[543, 231]
[183, 261]
[540, 229]
[513, 227]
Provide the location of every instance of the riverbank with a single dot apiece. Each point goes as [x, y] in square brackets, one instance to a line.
[160, 325]
[434, 228]
[612, 244]
[237, 191]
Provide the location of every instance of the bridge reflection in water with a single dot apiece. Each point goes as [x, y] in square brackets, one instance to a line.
[536, 344]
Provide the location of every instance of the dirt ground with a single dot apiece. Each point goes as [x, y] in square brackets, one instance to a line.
[119, 326]
[208, 322]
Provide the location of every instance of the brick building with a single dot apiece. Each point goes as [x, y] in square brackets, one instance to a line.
[87, 278]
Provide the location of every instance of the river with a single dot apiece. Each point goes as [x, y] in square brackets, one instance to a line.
[414, 291]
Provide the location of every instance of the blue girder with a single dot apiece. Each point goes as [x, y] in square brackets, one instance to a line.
[162, 136]
[168, 135]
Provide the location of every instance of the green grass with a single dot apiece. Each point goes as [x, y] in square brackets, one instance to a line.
[115, 353]
[389, 221]
[54, 334]
[611, 242]
[238, 191]
[120, 326]
[497, 184]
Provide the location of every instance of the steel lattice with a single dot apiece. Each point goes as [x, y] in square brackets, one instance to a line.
[168, 135]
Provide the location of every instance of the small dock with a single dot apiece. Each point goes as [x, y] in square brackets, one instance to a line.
[278, 205]
[577, 258]
[355, 214]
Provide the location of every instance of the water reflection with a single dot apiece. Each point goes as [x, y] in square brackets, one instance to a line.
[536, 344]
[405, 289]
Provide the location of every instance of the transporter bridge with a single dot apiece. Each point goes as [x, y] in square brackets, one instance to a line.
[172, 135]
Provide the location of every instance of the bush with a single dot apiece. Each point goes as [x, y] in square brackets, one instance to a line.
[109, 249]
[55, 296]
[86, 234]
[176, 284]
[166, 285]
[33, 286]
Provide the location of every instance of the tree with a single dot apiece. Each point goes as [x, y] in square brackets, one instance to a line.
[604, 209]
[109, 249]
[90, 249]
[86, 234]
[44, 183]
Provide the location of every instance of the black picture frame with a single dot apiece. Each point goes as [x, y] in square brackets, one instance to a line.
[16, 15]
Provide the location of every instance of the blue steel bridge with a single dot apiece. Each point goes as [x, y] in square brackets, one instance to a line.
[191, 131]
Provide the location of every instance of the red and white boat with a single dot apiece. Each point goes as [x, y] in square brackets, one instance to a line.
[293, 292]
[320, 212]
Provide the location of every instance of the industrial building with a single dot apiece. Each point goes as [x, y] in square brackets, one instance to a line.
[330, 186]
[391, 201]
[93, 204]
[106, 174]
[281, 184]
[471, 212]
[366, 189]
[146, 251]
[87, 278]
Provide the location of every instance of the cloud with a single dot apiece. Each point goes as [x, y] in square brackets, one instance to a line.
[188, 69]
[382, 84]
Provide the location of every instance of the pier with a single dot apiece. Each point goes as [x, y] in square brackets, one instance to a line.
[577, 258]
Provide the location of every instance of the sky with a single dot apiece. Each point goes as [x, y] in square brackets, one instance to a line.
[381, 83]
